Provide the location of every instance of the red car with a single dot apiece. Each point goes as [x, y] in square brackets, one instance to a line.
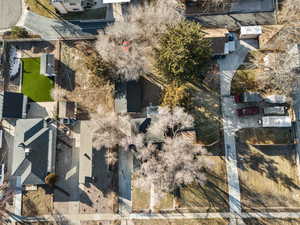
[238, 98]
[247, 111]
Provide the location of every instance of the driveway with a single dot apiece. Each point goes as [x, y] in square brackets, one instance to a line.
[10, 12]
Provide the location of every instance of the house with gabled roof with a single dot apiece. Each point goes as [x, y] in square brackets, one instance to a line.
[33, 155]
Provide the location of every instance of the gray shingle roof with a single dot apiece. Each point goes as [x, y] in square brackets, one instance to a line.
[47, 65]
[32, 166]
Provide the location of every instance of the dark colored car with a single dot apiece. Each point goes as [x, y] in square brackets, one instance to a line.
[238, 98]
[248, 111]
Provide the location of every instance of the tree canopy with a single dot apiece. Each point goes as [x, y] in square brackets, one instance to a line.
[183, 53]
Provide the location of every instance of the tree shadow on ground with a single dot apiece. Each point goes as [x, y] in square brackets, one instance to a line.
[250, 160]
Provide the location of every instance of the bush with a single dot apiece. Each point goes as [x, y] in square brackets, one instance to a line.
[19, 32]
[175, 95]
[51, 179]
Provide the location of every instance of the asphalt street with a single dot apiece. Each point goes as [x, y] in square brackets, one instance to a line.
[10, 12]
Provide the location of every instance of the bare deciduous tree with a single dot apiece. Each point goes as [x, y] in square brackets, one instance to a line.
[109, 129]
[177, 163]
[128, 44]
[289, 11]
[170, 121]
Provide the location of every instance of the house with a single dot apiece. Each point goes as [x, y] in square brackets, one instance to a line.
[135, 96]
[33, 155]
[13, 105]
[231, 13]
[47, 66]
[222, 41]
[67, 6]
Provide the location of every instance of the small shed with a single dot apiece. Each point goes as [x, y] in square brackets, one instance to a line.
[249, 32]
[67, 109]
[47, 66]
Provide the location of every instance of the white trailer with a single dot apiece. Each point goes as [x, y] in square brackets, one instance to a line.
[275, 121]
[249, 32]
[277, 110]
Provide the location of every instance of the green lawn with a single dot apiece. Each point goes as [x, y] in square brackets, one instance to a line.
[36, 86]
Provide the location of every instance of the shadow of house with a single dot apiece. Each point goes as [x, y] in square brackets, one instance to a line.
[13, 105]
[134, 97]
[33, 156]
[231, 13]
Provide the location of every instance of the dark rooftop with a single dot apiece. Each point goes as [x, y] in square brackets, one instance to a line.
[12, 105]
[228, 6]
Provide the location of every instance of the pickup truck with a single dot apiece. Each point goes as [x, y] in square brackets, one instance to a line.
[248, 97]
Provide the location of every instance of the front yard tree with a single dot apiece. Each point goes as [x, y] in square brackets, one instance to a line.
[183, 53]
[177, 160]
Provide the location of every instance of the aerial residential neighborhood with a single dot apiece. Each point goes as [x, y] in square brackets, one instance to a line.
[148, 112]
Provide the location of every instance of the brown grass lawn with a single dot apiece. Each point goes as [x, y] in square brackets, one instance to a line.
[207, 113]
[83, 87]
[268, 178]
[101, 222]
[265, 135]
[35, 203]
[263, 221]
[182, 222]
[140, 196]
[213, 196]
[41, 7]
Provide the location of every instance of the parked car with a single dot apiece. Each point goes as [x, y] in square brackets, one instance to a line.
[248, 97]
[248, 111]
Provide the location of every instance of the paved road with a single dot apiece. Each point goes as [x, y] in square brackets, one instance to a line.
[51, 29]
[10, 12]
[147, 216]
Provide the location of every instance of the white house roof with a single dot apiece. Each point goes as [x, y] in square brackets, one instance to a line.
[115, 1]
[251, 30]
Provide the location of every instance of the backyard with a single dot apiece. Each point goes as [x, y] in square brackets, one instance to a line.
[34, 85]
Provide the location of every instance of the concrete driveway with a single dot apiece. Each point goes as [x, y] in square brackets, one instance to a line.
[10, 12]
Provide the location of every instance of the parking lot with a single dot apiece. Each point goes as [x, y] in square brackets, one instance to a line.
[10, 12]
